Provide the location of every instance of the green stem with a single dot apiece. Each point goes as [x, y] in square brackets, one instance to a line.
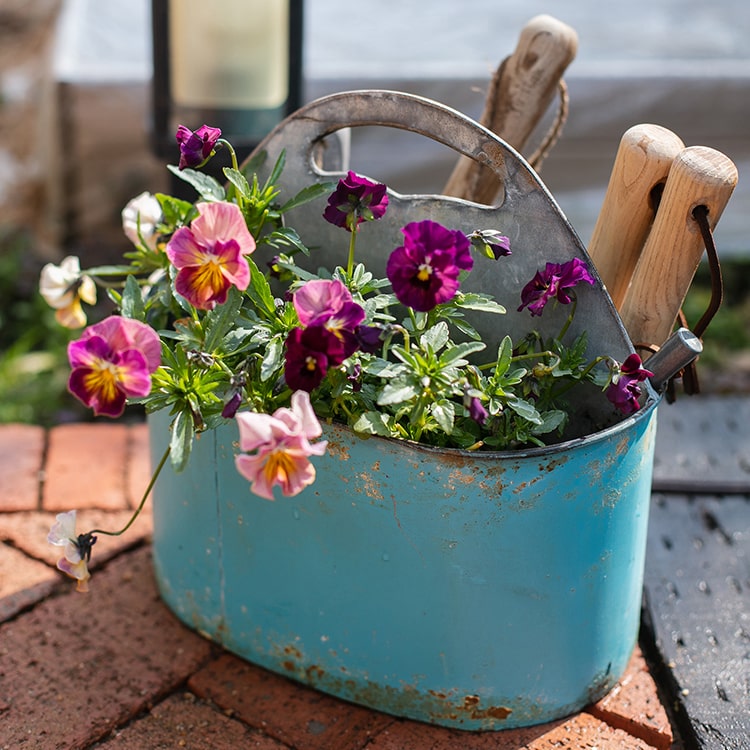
[350, 259]
[137, 511]
[569, 320]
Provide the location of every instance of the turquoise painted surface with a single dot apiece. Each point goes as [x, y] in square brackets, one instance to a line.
[479, 591]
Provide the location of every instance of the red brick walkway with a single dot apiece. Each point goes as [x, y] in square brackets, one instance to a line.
[115, 669]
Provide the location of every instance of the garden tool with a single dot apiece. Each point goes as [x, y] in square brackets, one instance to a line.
[520, 93]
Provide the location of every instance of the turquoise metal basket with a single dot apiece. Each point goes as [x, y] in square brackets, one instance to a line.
[473, 590]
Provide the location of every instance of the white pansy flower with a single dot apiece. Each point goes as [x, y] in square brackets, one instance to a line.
[63, 288]
[142, 213]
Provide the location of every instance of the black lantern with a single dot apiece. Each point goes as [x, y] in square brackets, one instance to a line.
[231, 64]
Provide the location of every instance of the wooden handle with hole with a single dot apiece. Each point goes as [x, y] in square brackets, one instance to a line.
[699, 175]
[642, 163]
[520, 93]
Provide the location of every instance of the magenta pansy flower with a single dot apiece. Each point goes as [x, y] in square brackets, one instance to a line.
[356, 199]
[554, 282]
[424, 271]
[276, 447]
[112, 361]
[624, 389]
[310, 353]
[210, 255]
[196, 146]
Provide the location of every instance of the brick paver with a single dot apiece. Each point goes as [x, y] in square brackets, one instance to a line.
[21, 453]
[86, 467]
[182, 721]
[115, 669]
[78, 666]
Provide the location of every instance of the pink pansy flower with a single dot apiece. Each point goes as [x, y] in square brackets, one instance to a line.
[77, 550]
[112, 361]
[210, 255]
[327, 303]
[276, 447]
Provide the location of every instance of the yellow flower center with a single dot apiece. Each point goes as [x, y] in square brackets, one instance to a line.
[311, 364]
[424, 272]
[209, 276]
[102, 380]
[279, 467]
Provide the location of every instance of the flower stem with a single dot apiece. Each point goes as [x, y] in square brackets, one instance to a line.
[574, 304]
[146, 493]
[350, 259]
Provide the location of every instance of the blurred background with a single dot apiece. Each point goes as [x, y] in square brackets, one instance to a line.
[78, 122]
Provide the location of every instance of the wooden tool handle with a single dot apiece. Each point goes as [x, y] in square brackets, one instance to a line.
[520, 92]
[641, 164]
[699, 176]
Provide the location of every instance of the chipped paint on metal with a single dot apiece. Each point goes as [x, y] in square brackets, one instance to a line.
[356, 585]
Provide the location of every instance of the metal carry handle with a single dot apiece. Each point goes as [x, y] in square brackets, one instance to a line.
[312, 123]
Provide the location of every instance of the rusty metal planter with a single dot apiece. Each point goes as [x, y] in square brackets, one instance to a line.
[473, 591]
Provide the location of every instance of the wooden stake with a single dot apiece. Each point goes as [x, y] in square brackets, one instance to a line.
[642, 163]
[520, 93]
[699, 176]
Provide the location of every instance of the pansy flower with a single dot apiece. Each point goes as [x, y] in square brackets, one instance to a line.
[310, 353]
[624, 389]
[491, 243]
[554, 282]
[140, 217]
[77, 552]
[210, 255]
[196, 147]
[356, 199]
[424, 271]
[276, 447]
[63, 288]
[112, 361]
[328, 303]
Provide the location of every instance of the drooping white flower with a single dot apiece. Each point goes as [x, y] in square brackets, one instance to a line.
[142, 214]
[63, 288]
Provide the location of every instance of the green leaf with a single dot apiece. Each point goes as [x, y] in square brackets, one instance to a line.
[435, 338]
[397, 393]
[131, 303]
[272, 360]
[480, 302]
[504, 356]
[239, 181]
[459, 351]
[444, 413]
[373, 423]
[525, 409]
[208, 188]
[260, 291]
[181, 442]
[551, 420]
[221, 319]
[310, 193]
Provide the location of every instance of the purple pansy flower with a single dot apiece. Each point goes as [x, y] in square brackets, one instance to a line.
[356, 199]
[196, 146]
[424, 271]
[624, 389]
[477, 411]
[329, 303]
[553, 283]
[310, 352]
[490, 242]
